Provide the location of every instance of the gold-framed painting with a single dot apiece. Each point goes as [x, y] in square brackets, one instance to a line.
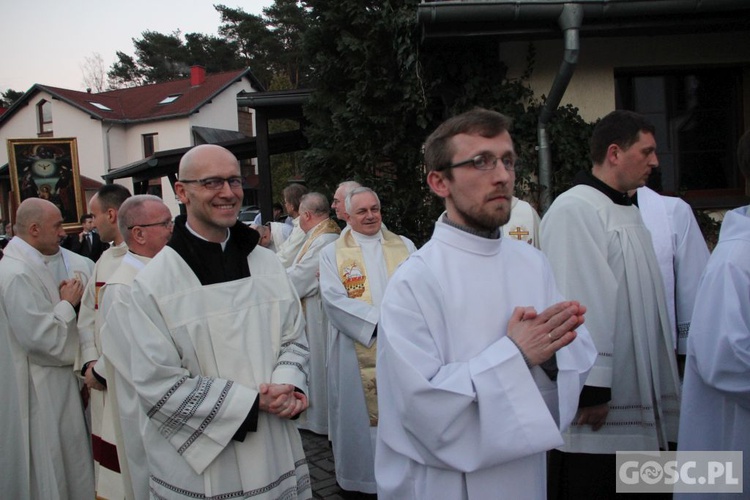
[48, 169]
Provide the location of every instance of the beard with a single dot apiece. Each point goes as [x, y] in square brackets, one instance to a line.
[485, 221]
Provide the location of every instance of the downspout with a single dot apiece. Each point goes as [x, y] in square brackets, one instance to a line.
[570, 21]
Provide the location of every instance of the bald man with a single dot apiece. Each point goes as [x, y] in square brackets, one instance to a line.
[320, 230]
[219, 356]
[145, 223]
[46, 452]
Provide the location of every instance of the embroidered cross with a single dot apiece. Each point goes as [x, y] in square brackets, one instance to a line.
[518, 233]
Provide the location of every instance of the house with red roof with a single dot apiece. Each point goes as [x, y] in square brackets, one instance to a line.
[119, 127]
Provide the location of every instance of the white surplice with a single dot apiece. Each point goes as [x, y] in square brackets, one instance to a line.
[523, 224]
[716, 390]
[461, 415]
[109, 484]
[351, 321]
[43, 437]
[199, 356]
[304, 276]
[116, 347]
[682, 254]
[288, 250]
[603, 257]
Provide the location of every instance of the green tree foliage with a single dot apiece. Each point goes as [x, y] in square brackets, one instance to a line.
[380, 92]
[269, 46]
[160, 58]
[252, 38]
[10, 96]
[287, 22]
[367, 115]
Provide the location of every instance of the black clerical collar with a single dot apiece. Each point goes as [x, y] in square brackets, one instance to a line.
[588, 179]
[490, 235]
[209, 261]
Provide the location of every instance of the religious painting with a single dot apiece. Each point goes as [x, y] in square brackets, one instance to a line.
[48, 169]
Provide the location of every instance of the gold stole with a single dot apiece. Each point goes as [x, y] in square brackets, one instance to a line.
[351, 267]
[325, 227]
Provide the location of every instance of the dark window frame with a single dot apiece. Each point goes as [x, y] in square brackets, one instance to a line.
[45, 126]
[149, 144]
[729, 111]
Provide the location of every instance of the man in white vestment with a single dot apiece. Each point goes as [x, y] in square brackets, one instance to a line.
[354, 272]
[219, 356]
[314, 220]
[145, 223]
[45, 447]
[479, 363]
[287, 251]
[715, 412]
[682, 254]
[104, 206]
[523, 224]
[602, 255]
[339, 199]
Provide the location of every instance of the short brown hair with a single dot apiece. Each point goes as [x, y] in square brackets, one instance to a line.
[620, 127]
[438, 151]
[293, 194]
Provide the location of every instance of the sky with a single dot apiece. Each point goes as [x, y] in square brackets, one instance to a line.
[48, 41]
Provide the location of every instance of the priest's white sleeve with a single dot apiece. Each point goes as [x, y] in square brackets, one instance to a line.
[690, 258]
[720, 329]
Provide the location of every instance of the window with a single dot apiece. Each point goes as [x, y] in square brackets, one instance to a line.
[100, 106]
[170, 99]
[44, 118]
[149, 144]
[698, 118]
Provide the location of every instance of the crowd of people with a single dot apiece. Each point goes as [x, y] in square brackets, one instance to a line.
[508, 357]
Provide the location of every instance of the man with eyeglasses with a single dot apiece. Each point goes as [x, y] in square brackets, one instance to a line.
[602, 254]
[104, 206]
[145, 223]
[219, 357]
[479, 361]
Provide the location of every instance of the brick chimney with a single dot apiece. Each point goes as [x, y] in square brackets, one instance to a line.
[197, 75]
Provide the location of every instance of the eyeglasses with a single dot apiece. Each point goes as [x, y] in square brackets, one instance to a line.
[485, 162]
[215, 183]
[169, 223]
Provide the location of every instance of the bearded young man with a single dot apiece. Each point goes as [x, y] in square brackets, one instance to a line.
[479, 361]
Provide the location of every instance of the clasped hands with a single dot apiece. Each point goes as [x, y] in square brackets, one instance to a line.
[282, 400]
[539, 336]
[71, 290]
